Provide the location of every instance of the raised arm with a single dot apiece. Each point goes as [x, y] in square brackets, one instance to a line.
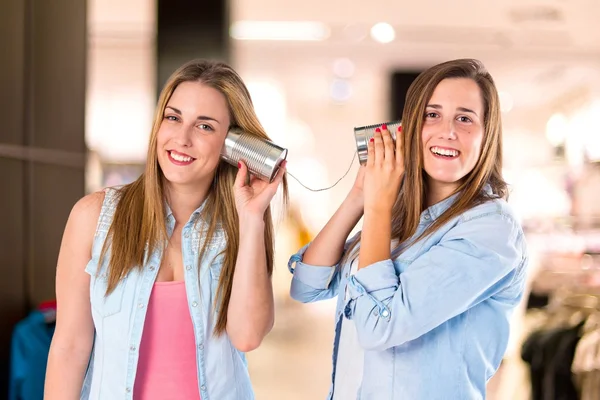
[315, 266]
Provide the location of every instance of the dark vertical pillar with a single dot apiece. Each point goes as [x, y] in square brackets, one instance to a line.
[401, 81]
[188, 30]
[42, 149]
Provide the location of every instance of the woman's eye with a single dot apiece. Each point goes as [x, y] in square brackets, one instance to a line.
[431, 115]
[171, 118]
[464, 119]
[205, 127]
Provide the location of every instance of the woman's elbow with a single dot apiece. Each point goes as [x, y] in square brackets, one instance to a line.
[306, 294]
[299, 295]
[247, 343]
[249, 339]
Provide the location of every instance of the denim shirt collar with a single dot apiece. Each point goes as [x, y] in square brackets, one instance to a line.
[435, 211]
[170, 219]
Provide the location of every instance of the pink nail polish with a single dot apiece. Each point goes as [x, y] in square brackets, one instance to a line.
[371, 140]
[377, 130]
[383, 127]
[400, 128]
[239, 165]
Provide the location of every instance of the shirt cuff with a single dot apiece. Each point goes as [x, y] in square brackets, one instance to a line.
[371, 288]
[378, 276]
[297, 258]
[317, 277]
[313, 276]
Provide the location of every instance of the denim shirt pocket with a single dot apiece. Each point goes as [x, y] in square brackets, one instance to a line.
[104, 305]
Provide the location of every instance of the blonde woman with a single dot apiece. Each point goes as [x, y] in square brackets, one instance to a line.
[165, 282]
[426, 289]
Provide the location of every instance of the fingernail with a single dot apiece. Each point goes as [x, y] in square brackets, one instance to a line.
[370, 140]
[377, 130]
[239, 165]
[383, 127]
[400, 128]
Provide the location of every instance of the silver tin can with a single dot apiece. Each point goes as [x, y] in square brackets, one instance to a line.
[363, 134]
[262, 157]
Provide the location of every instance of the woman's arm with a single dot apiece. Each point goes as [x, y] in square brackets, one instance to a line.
[251, 310]
[383, 175]
[74, 335]
[316, 269]
[250, 315]
[328, 246]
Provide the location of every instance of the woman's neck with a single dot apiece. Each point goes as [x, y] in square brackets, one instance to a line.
[184, 200]
[438, 191]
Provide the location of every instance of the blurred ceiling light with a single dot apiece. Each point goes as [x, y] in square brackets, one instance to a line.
[279, 30]
[556, 129]
[383, 32]
[506, 102]
[341, 90]
[343, 68]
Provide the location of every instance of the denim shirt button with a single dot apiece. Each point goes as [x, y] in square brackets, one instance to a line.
[151, 268]
[141, 305]
[427, 217]
[203, 388]
[128, 390]
[385, 313]
[201, 346]
[194, 304]
[188, 267]
[187, 235]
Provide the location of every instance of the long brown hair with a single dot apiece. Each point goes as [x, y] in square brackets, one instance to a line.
[138, 227]
[411, 200]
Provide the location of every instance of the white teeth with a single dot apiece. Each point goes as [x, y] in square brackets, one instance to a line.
[444, 152]
[180, 158]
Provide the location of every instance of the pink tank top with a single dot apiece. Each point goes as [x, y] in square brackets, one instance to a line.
[167, 363]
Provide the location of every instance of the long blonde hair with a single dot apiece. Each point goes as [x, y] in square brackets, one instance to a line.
[411, 201]
[139, 228]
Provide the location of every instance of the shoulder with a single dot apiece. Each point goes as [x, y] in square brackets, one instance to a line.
[83, 220]
[492, 225]
[88, 207]
[492, 210]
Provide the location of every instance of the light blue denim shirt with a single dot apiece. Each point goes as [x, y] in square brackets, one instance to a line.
[119, 318]
[433, 321]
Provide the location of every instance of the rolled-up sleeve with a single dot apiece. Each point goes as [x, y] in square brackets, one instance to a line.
[311, 282]
[473, 261]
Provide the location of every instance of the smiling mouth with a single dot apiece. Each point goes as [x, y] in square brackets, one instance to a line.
[180, 158]
[445, 153]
